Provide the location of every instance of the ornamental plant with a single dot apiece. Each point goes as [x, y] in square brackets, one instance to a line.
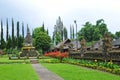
[57, 54]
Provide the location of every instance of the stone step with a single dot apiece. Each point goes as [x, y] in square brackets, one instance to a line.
[34, 61]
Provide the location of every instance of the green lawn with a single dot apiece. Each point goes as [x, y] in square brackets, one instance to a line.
[17, 72]
[73, 72]
[6, 60]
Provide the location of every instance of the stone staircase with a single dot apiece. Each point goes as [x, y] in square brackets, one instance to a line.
[34, 61]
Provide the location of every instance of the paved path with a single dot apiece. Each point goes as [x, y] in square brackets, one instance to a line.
[44, 73]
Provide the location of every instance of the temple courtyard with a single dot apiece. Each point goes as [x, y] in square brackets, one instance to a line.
[49, 69]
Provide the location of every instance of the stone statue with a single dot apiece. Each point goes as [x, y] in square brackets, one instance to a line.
[107, 42]
[83, 47]
[107, 45]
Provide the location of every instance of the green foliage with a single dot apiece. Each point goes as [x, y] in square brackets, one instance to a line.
[37, 30]
[92, 32]
[40, 51]
[57, 38]
[117, 35]
[9, 51]
[9, 43]
[21, 41]
[41, 39]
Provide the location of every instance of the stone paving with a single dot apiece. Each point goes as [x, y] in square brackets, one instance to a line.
[44, 73]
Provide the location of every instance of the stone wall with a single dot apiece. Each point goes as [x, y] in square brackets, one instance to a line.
[92, 55]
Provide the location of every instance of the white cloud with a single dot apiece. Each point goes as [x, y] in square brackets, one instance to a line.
[34, 12]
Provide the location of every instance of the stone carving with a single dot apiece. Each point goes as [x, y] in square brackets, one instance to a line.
[28, 50]
[83, 47]
[28, 38]
[107, 45]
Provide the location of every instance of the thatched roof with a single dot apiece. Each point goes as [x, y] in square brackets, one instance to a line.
[63, 43]
[76, 44]
[116, 42]
[98, 44]
[67, 44]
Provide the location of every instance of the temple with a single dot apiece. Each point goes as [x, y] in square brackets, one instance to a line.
[28, 50]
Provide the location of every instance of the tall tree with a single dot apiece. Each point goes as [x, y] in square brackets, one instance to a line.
[7, 33]
[47, 32]
[76, 27]
[65, 33]
[18, 34]
[70, 32]
[3, 44]
[73, 32]
[58, 30]
[13, 39]
[1, 34]
[1, 31]
[22, 29]
[43, 28]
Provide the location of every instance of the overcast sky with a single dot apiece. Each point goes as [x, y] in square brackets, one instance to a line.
[35, 12]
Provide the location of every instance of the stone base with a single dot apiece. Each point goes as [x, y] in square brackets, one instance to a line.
[34, 61]
[29, 51]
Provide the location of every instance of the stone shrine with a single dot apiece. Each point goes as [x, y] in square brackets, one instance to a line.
[28, 50]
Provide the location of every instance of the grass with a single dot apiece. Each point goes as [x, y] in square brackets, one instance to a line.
[72, 72]
[17, 72]
[6, 60]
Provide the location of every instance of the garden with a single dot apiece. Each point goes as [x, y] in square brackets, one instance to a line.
[16, 69]
[15, 66]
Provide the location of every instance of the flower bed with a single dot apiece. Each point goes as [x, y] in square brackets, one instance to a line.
[57, 54]
[103, 66]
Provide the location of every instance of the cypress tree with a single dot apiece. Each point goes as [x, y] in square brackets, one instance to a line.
[47, 31]
[7, 30]
[3, 44]
[1, 34]
[13, 39]
[23, 30]
[70, 32]
[18, 34]
[43, 29]
[65, 33]
[73, 32]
